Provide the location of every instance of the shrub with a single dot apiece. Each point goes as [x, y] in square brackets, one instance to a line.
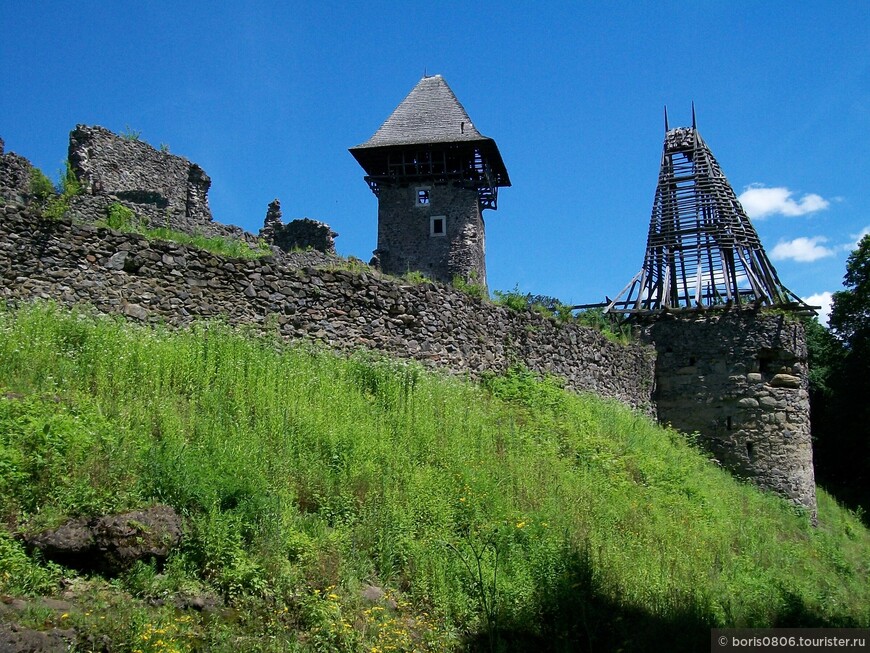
[606, 323]
[119, 217]
[470, 288]
[41, 187]
[415, 277]
[68, 187]
[512, 299]
[130, 134]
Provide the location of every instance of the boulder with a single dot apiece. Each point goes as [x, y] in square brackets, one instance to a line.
[785, 381]
[17, 639]
[112, 543]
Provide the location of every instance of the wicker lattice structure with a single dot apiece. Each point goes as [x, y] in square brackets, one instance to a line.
[702, 251]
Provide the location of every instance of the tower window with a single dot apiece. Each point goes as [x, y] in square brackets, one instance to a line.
[437, 225]
[422, 197]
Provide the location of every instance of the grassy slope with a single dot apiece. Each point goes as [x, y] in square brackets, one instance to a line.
[513, 515]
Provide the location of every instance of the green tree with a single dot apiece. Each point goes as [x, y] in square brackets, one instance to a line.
[839, 364]
[825, 359]
[850, 315]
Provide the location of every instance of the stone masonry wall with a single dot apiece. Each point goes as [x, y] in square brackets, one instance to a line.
[166, 282]
[298, 234]
[739, 379]
[162, 189]
[14, 176]
[405, 242]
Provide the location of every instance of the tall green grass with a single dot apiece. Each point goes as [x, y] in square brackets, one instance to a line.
[510, 515]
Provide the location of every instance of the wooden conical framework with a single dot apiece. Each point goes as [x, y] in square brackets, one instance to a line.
[702, 251]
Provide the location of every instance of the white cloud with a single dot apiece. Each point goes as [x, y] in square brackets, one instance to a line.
[824, 300]
[857, 239]
[802, 250]
[759, 202]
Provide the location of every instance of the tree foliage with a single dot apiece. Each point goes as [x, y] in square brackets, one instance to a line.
[850, 315]
[839, 362]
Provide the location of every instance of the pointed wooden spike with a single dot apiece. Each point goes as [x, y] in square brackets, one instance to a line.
[694, 122]
[666, 119]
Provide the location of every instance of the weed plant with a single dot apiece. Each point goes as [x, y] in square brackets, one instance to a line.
[510, 515]
[230, 247]
[415, 277]
[123, 218]
[551, 307]
[40, 187]
[54, 200]
[120, 217]
[470, 288]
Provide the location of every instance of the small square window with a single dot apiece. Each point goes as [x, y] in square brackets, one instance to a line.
[422, 197]
[437, 225]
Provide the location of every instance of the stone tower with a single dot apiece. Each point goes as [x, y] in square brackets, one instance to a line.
[728, 368]
[433, 174]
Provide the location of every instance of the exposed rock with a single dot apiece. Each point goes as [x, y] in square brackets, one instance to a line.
[200, 602]
[375, 595]
[372, 593]
[142, 535]
[112, 543]
[72, 544]
[17, 639]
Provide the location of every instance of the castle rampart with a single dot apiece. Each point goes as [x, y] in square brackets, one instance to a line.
[735, 376]
[157, 281]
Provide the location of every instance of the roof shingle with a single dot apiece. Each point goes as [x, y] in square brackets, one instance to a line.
[429, 114]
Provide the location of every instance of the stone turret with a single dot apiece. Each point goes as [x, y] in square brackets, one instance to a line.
[728, 368]
[739, 380]
[433, 173]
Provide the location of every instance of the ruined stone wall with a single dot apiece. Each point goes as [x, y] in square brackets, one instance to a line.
[298, 234]
[162, 189]
[739, 379]
[169, 190]
[14, 176]
[166, 282]
[305, 233]
[405, 241]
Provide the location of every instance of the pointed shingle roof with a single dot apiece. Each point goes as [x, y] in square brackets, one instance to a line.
[430, 114]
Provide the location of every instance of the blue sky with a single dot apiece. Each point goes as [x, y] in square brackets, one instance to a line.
[267, 97]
